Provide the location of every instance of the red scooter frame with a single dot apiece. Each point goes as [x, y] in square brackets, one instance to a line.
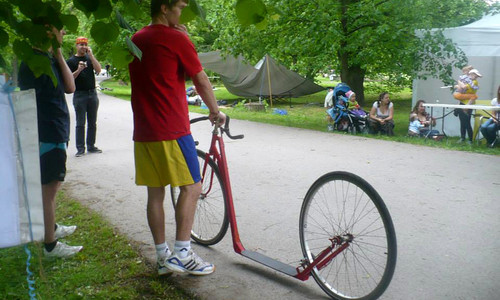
[303, 271]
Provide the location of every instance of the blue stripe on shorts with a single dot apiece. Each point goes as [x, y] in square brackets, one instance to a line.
[188, 148]
[46, 147]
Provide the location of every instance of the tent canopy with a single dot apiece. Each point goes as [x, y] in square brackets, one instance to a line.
[264, 79]
[480, 38]
[480, 42]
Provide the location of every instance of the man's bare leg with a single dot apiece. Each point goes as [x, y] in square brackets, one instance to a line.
[185, 210]
[184, 259]
[49, 192]
[156, 214]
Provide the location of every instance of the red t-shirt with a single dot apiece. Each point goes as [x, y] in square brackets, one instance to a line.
[158, 83]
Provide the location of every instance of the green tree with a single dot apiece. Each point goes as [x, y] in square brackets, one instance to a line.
[109, 23]
[358, 38]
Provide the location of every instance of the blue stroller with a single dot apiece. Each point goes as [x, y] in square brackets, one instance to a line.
[343, 118]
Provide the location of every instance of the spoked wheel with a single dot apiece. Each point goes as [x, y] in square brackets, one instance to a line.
[341, 204]
[210, 221]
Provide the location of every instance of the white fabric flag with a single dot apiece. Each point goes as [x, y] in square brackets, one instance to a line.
[20, 187]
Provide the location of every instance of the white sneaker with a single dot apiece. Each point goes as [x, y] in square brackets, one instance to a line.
[64, 231]
[192, 264]
[62, 250]
[162, 264]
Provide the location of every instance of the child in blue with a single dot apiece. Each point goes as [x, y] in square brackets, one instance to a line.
[415, 125]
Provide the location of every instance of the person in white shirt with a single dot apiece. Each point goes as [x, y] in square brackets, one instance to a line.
[381, 116]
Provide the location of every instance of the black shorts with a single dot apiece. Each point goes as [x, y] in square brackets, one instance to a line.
[53, 165]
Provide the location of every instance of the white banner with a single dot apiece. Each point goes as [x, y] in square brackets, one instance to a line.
[20, 187]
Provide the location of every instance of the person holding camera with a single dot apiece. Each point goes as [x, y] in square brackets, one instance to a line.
[83, 65]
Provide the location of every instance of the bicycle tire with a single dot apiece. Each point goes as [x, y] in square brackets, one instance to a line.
[211, 221]
[341, 203]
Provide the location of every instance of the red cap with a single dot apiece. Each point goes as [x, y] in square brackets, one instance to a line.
[81, 39]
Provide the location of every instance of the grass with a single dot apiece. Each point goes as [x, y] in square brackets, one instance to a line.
[307, 112]
[109, 266]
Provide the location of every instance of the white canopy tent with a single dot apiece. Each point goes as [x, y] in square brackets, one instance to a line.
[480, 41]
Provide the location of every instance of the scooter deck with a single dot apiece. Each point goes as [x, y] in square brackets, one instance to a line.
[270, 262]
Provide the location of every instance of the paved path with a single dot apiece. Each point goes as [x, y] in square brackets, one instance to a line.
[444, 205]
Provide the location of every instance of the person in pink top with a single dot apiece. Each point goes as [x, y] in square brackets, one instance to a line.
[164, 149]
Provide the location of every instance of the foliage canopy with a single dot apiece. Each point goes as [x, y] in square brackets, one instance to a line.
[387, 39]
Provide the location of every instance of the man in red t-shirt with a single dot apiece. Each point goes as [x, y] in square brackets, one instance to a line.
[164, 149]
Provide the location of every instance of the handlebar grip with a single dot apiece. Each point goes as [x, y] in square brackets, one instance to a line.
[192, 121]
[224, 129]
[235, 137]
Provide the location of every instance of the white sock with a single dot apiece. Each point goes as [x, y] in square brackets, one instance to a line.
[161, 250]
[181, 248]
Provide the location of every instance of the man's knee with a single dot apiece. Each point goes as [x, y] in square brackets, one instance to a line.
[192, 190]
[156, 193]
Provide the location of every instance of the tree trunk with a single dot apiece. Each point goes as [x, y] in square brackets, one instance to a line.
[354, 76]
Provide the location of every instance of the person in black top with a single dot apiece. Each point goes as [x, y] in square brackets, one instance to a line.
[83, 65]
[53, 135]
[108, 67]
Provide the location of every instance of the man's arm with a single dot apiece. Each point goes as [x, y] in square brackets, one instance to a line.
[67, 77]
[95, 63]
[204, 89]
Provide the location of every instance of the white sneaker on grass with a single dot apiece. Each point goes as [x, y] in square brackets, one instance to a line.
[62, 250]
[192, 264]
[63, 231]
[162, 264]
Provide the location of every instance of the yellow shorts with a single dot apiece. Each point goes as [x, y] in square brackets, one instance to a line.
[158, 164]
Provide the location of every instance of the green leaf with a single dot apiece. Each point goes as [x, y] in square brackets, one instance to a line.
[87, 6]
[5, 11]
[192, 11]
[52, 15]
[132, 8]
[22, 49]
[250, 12]
[4, 38]
[120, 57]
[122, 22]
[104, 10]
[36, 34]
[70, 22]
[39, 65]
[31, 9]
[262, 25]
[134, 49]
[103, 32]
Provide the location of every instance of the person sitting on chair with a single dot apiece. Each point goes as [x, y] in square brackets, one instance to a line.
[489, 128]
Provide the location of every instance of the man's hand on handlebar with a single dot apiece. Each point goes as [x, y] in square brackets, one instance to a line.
[217, 116]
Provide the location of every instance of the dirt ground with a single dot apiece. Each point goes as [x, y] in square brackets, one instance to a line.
[444, 205]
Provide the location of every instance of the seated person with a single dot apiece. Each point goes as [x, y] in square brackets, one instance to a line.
[489, 128]
[192, 96]
[425, 119]
[381, 116]
[415, 125]
[354, 107]
[191, 91]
